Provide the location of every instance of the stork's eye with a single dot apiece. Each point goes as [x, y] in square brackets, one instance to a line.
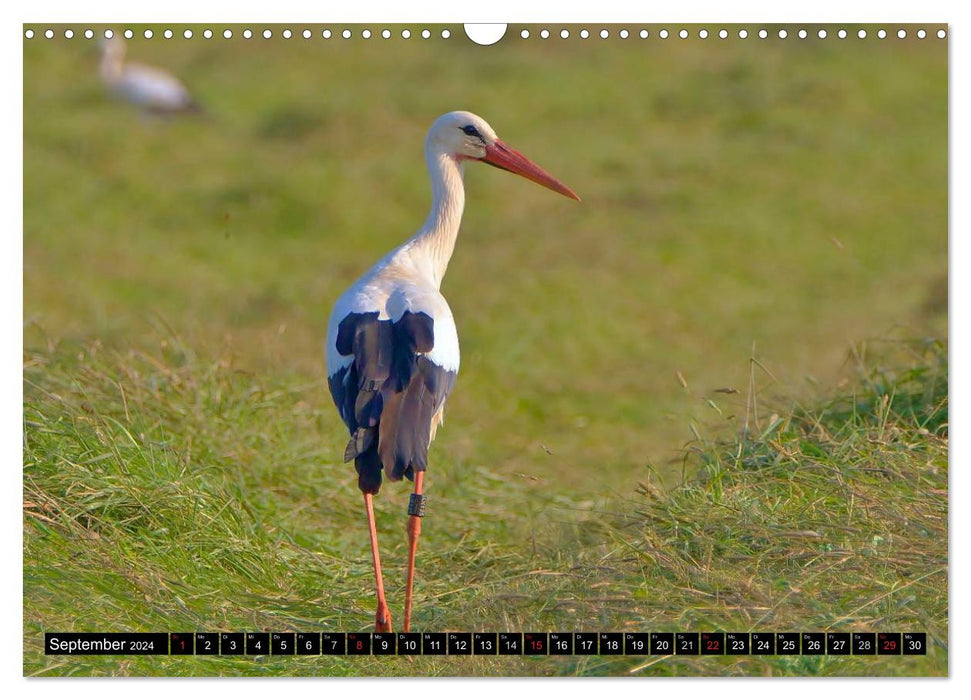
[470, 130]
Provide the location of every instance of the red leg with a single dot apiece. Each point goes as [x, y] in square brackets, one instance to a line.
[414, 530]
[382, 619]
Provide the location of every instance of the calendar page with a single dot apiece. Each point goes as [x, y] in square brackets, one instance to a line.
[310, 389]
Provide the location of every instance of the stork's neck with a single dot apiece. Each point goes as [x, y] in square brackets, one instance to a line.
[111, 60]
[431, 248]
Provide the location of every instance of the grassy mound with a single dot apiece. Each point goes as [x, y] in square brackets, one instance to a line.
[832, 518]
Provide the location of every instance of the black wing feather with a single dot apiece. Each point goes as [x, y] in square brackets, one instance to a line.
[391, 391]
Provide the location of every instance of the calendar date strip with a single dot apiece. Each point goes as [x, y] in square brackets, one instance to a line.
[486, 643]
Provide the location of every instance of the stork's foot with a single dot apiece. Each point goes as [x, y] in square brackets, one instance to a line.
[382, 619]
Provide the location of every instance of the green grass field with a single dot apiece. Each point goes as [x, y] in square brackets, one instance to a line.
[685, 403]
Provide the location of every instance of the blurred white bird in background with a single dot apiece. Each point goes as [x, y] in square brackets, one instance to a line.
[151, 89]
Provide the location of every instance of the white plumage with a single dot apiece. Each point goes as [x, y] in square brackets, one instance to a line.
[391, 288]
[151, 89]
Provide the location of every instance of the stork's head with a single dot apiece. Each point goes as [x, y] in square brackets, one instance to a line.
[466, 136]
[113, 48]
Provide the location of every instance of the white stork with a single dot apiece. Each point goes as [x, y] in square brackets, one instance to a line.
[392, 347]
[151, 89]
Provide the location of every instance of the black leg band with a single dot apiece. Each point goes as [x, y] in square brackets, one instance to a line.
[416, 505]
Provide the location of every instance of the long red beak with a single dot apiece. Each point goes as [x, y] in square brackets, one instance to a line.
[502, 156]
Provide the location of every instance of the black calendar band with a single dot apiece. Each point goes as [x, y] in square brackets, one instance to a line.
[486, 643]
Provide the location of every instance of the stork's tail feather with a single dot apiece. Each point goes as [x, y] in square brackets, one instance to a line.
[410, 418]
